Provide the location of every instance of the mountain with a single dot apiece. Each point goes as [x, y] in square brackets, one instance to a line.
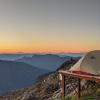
[72, 54]
[12, 57]
[15, 75]
[15, 56]
[48, 88]
[49, 61]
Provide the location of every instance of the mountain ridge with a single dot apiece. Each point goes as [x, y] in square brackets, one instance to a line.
[14, 75]
[49, 61]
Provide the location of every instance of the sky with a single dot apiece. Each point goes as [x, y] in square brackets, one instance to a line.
[49, 25]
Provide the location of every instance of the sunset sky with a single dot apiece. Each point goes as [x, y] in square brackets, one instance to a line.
[49, 25]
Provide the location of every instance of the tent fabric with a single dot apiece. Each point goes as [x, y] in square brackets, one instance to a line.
[89, 63]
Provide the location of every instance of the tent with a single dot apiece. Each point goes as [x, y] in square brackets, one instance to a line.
[87, 67]
[88, 64]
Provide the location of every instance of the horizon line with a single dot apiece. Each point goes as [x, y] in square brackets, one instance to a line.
[42, 52]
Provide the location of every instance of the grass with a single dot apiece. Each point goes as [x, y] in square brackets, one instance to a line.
[88, 98]
[82, 98]
[70, 98]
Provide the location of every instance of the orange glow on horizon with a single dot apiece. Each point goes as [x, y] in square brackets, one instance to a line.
[42, 51]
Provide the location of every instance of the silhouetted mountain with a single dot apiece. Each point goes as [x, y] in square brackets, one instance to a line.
[12, 57]
[48, 61]
[14, 75]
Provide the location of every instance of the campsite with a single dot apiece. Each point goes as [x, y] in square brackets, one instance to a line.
[88, 67]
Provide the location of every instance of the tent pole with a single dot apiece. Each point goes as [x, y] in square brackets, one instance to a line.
[79, 89]
[63, 86]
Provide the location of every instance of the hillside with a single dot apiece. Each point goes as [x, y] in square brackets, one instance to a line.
[49, 61]
[15, 75]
